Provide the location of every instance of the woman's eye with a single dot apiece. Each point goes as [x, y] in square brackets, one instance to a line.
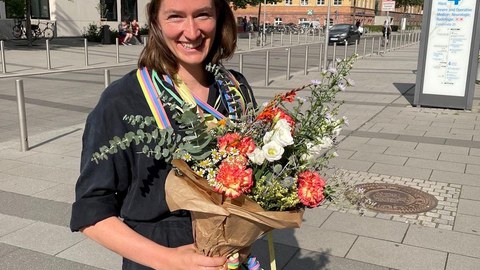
[204, 15]
[174, 17]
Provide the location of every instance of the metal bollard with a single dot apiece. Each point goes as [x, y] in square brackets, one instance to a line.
[144, 41]
[249, 41]
[334, 55]
[346, 50]
[22, 116]
[373, 44]
[356, 47]
[390, 43]
[396, 42]
[47, 46]
[240, 63]
[2, 49]
[271, 43]
[305, 70]
[290, 38]
[117, 48]
[267, 68]
[85, 43]
[289, 59]
[320, 57]
[364, 48]
[298, 37]
[106, 75]
[306, 36]
[380, 44]
[281, 38]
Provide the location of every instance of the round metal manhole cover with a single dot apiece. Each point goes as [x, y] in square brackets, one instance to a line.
[396, 199]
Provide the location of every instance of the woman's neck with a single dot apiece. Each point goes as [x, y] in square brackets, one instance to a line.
[196, 79]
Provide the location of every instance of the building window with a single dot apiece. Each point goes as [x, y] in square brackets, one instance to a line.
[288, 2]
[129, 10]
[337, 2]
[278, 20]
[40, 9]
[107, 10]
[320, 2]
[304, 3]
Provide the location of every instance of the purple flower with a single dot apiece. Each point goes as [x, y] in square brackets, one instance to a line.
[315, 82]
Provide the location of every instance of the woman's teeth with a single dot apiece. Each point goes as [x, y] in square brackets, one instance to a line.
[191, 45]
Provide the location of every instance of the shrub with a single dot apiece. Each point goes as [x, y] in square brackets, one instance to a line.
[92, 33]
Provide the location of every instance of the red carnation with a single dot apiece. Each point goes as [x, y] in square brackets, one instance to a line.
[310, 188]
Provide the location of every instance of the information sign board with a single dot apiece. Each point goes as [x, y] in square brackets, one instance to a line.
[445, 60]
[388, 5]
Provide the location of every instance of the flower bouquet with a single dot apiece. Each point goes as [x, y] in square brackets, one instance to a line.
[251, 172]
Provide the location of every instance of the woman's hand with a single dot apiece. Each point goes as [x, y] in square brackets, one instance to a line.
[187, 257]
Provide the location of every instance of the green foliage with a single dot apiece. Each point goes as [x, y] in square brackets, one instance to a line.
[15, 8]
[243, 3]
[92, 33]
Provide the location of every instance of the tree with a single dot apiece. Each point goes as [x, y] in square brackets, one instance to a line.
[407, 3]
[243, 3]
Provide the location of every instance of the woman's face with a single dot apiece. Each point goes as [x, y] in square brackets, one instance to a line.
[188, 28]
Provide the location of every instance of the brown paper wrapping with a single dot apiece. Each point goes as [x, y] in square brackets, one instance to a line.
[222, 226]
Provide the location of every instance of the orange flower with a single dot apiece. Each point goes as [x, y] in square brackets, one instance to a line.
[245, 145]
[289, 96]
[275, 113]
[233, 178]
[310, 188]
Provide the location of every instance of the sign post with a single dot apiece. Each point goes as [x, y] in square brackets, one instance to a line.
[447, 61]
[387, 5]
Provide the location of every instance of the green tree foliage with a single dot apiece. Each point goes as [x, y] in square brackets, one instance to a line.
[243, 3]
[15, 8]
[406, 3]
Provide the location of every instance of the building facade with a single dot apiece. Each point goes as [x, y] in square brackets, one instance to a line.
[341, 11]
[72, 17]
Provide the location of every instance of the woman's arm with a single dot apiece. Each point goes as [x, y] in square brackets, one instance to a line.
[118, 237]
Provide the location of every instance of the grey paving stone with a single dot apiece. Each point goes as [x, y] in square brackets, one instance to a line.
[49, 239]
[23, 185]
[35, 209]
[449, 135]
[467, 224]
[395, 151]
[436, 165]
[375, 135]
[9, 224]
[6, 249]
[365, 148]
[344, 153]
[460, 158]
[23, 259]
[379, 158]
[396, 255]
[308, 260]
[443, 240]
[60, 193]
[475, 152]
[404, 171]
[51, 160]
[470, 192]
[53, 174]
[469, 207]
[456, 262]
[463, 143]
[420, 139]
[336, 243]
[455, 178]
[91, 253]
[443, 148]
[7, 164]
[315, 217]
[473, 169]
[365, 226]
[283, 254]
[350, 164]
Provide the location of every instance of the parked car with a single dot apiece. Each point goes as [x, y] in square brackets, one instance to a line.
[339, 33]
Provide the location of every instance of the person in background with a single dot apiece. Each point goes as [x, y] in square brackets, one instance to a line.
[136, 31]
[120, 202]
[125, 33]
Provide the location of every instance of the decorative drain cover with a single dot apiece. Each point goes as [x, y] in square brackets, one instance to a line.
[397, 199]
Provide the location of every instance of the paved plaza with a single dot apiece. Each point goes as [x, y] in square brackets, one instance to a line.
[388, 140]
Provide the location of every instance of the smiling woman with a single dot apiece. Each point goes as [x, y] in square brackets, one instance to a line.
[120, 202]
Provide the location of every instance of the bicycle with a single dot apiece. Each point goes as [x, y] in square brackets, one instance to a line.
[19, 30]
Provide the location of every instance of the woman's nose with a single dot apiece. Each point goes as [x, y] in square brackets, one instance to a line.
[192, 31]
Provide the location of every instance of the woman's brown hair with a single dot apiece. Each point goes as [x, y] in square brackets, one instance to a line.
[156, 54]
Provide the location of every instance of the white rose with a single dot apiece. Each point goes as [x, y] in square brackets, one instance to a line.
[282, 137]
[257, 156]
[336, 131]
[282, 124]
[268, 137]
[327, 142]
[272, 151]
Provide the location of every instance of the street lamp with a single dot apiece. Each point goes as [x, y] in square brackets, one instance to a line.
[264, 20]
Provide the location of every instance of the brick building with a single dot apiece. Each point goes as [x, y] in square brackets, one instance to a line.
[341, 11]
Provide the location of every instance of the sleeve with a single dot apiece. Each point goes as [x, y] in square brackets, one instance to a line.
[101, 187]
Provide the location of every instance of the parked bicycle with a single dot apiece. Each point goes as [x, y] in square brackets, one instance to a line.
[47, 32]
